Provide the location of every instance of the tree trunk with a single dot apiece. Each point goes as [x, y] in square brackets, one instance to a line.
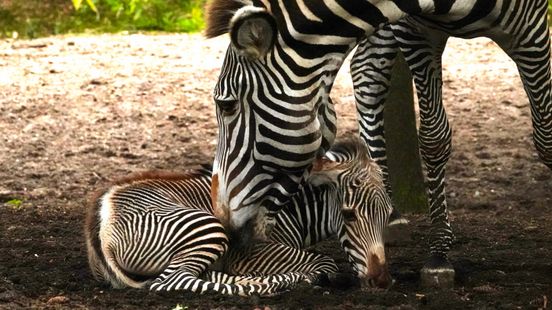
[403, 156]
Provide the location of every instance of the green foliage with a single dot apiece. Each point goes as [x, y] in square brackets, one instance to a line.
[14, 204]
[32, 18]
[162, 15]
[78, 3]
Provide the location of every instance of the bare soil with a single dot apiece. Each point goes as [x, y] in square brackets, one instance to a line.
[76, 112]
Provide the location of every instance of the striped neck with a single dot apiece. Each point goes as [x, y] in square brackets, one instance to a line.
[314, 214]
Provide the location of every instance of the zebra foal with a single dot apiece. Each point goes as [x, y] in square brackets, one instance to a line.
[143, 232]
[158, 231]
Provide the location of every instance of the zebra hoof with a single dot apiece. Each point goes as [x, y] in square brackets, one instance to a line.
[437, 273]
[397, 235]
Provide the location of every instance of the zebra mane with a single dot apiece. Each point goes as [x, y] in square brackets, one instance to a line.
[218, 15]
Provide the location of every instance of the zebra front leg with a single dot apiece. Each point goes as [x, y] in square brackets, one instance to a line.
[182, 274]
[423, 53]
[371, 68]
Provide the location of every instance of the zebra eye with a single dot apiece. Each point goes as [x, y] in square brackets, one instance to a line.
[349, 215]
[227, 106]
[356, 183]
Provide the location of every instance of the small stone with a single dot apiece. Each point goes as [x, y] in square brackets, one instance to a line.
[485, 289]
[58, 300]
[8, 295]
[98, 81]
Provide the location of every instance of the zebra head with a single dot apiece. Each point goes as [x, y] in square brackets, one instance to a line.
[365, 208]
[274, 113]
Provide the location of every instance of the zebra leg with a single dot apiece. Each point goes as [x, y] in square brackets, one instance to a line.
[275, 258]
[182, 274]
[533, 61]
[371, 67]
[256, 278]
[423, 51]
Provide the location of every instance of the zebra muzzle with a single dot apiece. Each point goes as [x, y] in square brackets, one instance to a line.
[378, 272]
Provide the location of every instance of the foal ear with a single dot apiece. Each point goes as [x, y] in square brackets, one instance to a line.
[253, 31]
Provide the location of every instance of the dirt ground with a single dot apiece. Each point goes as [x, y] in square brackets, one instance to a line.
[76, 112]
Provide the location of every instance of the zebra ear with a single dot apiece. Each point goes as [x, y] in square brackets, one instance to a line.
[253, 31]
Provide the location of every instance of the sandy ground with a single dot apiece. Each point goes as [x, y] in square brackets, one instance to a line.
[76, 112]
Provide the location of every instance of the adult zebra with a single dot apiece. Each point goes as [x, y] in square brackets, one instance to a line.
[273, 107]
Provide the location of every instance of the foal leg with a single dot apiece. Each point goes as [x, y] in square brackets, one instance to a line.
[276, 259]
[182, 274]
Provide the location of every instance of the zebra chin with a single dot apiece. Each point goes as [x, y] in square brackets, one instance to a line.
[246, 226]
[251, 232]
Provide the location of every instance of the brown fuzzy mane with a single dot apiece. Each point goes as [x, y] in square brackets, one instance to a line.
[218, 15]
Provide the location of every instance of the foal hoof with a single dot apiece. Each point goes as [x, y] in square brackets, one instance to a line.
[343, 280]
[396, 218]
[437, 273]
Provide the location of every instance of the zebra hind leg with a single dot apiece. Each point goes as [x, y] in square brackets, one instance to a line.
[533, 62]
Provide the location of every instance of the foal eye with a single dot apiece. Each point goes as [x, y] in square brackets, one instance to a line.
[227, 106]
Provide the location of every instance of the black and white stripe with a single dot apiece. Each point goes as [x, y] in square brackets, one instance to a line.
[158, 231]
